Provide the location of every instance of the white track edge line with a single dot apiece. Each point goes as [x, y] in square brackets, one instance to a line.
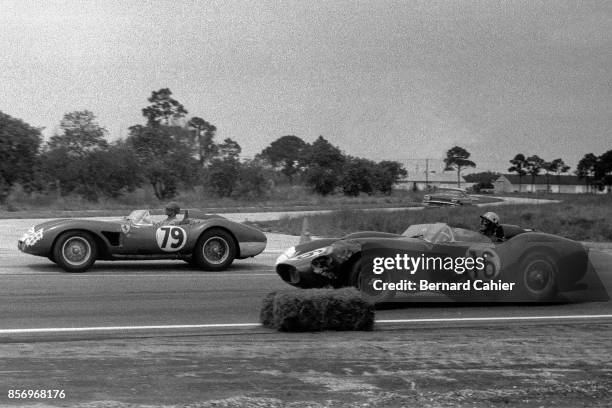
[126, 328]
[492, 319]
[237, 325]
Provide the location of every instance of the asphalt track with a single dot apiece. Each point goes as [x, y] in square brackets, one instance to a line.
[123, 299]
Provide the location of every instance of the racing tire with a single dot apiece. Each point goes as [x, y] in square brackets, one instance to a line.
[537, 277]
[215, 250]
[75, 251]
[363, 280]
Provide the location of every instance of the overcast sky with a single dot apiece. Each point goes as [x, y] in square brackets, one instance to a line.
[380, 79]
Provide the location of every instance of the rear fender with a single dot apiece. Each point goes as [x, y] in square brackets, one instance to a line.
[571, 264]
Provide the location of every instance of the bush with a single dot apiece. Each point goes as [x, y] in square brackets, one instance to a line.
[366, 176]
[253, 181]
[322, 180]
[222, 176]
[317, 310]
[358, 175]
[165, 157]
[323, 166]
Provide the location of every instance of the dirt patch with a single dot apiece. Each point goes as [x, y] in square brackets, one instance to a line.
[561, 365]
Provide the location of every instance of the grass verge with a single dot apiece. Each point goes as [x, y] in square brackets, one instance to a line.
[288, 198]
[24, 205]
[527, 366]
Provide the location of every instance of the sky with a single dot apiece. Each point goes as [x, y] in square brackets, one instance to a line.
[386, 80]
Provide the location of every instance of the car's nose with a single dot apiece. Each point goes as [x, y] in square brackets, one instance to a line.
[288, 273]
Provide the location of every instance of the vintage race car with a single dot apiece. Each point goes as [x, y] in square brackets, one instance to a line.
[534, 265]
[446, 196]
[209, 242]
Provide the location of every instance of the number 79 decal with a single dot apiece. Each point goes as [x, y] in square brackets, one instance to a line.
[170, 238]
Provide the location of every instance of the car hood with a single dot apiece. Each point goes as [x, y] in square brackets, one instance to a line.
[78, 222]
[114, 221]
[53, 223]
[386, 241]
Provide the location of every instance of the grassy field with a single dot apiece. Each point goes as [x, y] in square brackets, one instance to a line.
[20, 204]
[287, 198]
[584, 218]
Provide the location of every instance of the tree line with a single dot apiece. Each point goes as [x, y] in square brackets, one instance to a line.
[172, 153]
[596, 171]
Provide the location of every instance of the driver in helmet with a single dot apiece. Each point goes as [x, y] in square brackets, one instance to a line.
[489, 226]
[172, 210]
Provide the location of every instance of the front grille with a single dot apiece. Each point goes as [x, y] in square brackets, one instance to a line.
[288, 273]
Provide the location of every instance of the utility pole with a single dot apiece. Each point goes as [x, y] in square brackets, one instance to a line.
[427, 174]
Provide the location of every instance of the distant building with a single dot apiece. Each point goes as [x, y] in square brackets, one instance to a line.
[434, 180]
[509, 183]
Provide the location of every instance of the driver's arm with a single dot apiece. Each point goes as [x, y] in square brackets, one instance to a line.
[185, 219]
[499, 234]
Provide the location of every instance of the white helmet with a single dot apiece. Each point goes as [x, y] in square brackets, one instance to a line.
[491, 217]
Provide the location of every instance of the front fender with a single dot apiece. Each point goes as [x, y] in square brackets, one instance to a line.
[249, 240]
[49, 232]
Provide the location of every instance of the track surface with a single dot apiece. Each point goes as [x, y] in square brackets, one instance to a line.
[36, 294]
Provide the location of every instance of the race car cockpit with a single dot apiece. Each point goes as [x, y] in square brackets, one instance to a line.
[440, 232]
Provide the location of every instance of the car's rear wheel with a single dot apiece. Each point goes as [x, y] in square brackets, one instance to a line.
[215, 250]
[75, 251]
[538, 277]
[363, 279]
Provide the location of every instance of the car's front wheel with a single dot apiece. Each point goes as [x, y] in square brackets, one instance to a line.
[364, 280]
[215, 250]
[75, 251]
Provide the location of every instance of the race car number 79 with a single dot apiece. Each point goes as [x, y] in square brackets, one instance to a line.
[170, 238]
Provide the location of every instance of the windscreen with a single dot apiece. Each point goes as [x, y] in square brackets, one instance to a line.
[139, 216]
[429, 232]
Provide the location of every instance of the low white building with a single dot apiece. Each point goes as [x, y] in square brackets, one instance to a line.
[510, 183]
[433, 180]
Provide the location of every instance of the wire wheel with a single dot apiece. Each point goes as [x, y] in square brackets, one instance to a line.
[215, 250]
[75, 251]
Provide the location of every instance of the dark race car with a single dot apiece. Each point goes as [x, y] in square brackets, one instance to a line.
[534, 265]
[209, 242]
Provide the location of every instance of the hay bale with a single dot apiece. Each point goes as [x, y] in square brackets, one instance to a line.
[266, 314]
[317, 310]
